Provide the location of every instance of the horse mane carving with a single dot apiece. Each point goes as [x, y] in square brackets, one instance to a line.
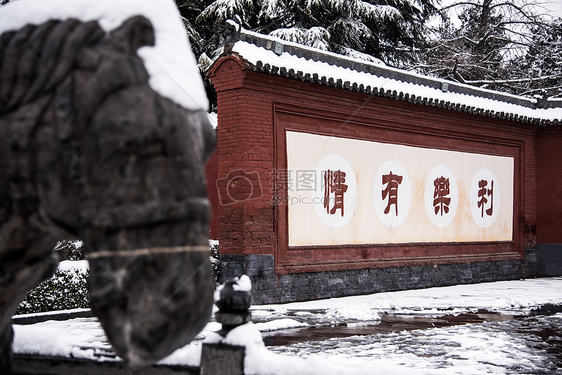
[89, 150]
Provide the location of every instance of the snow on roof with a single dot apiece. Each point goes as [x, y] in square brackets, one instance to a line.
[309, 64]
[170, 62]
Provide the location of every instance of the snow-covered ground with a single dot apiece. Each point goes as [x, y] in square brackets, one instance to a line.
[511, 297]
[512, 346]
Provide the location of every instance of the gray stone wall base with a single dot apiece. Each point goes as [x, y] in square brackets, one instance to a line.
[268, 287]
[549, 259]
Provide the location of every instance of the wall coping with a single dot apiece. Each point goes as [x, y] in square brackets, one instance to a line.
[271, 55]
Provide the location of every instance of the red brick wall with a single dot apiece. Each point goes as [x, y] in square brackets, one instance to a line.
[549, 185]
[254, 111]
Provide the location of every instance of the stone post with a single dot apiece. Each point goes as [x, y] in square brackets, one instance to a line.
[233, 299]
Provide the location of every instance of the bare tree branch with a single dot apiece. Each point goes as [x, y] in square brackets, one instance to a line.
[502, 44]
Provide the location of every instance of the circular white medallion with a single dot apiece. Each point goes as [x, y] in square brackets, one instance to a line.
[335, 197]
[441, 196]
[484, 198]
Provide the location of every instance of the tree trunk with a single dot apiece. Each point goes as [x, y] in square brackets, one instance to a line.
[483, 27]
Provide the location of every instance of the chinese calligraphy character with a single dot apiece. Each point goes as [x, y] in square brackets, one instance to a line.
[483, 192]
[334, 183]
[391, 181]
[440, 200]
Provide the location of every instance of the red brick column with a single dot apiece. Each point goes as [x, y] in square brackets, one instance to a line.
[245, 163]
[549, 186]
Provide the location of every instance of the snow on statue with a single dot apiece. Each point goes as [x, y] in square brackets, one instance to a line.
[103, 136]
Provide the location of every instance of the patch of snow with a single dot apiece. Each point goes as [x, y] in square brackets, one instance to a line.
[170, 62]
[514, 296]
[80, 265]
[77, 244]
[214, 121]
[318, 37]
[210, 328]
[189, 355]
[303, 313]
[242, 284]
[345, 313]
[246, 335]
[362, 56]
[292, 34]
[60, 338]
[217, 293]
[278, 324]
[378, 12]
[47, 313]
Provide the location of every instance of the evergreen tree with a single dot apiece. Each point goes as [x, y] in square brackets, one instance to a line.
[390, 30]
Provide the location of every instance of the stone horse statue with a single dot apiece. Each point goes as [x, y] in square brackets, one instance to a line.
[89, 150]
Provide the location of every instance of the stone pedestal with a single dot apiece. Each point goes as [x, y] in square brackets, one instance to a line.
[233, 299]
[222, 359]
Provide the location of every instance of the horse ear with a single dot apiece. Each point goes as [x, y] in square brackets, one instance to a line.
[134, 33]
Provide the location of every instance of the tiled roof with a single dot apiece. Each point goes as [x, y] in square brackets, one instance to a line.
[274, 56]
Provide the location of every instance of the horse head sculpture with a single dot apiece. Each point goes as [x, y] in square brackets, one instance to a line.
[88, 149]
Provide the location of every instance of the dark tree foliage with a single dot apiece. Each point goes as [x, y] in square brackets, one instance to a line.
[410, 33]
[390, 30]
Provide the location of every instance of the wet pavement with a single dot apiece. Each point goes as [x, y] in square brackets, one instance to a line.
[388, 323]
[473, 343]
